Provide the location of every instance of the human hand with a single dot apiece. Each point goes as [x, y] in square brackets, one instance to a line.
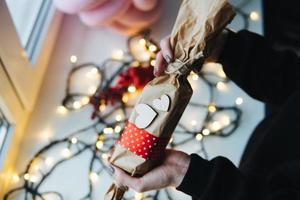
[212, 51]
[170, 173]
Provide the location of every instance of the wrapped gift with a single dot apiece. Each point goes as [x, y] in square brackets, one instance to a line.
[164, 99]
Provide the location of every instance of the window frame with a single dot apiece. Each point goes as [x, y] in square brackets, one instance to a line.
[20, 82]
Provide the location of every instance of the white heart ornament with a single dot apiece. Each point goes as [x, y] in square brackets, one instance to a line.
[145, 115]
[163, 103]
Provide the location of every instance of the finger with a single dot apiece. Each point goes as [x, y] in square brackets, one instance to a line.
[74, 6]
[122, 180]
[121, 28]
[105, 13]
[160, 64]
[145, 5]
[138, 18]
[166, 49]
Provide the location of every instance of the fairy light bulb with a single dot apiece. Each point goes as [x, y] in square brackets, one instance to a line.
[49, 161]
[26, 176]
[102, 107]
[131, 89]
[15, 178]
[199, 136]
[152, 48]
[239, 101]
[138, 196]
[108, 130]
[94, 177]
[104, 156]
[221, 86]
[225, 120]
[152, 63]
[215, 126]
[92, 89]
[135, 63]
[76, 105]
[99, 144]
[85, 100]
[142, 42]
[117, 129]
[254, 16]
[118, 118]
[117, 54]
[211, 108]
[193, 122]
[62, 110]
[74, 140]
[73, 59]
[205, 131]
[195, 77]
[66, 153]
[125, 98]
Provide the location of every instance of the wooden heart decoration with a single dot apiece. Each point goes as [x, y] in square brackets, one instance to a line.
[163, 103]
[145, 115]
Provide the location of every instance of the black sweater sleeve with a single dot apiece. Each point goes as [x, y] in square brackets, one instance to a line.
[265, 74]
[219, 179]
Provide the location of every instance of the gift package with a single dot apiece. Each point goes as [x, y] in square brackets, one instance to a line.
[162, 102]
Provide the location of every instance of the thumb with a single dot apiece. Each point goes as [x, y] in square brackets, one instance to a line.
[123, 179]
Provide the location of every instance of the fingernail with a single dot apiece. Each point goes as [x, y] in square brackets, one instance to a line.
[155, 71]
[111, 170]
[167, 58]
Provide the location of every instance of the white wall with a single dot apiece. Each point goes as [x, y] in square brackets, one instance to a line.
[95, 45]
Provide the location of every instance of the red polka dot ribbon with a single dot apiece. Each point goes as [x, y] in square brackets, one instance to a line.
[142, 143]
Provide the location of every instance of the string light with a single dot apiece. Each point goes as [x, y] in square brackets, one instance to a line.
[239, 101]
[49, 161]
[225, 120]
[103, 140]
[152, 48]
[62, 110]
[102, 107]
[221, 86]
[215, 126]
[205, 131]
[211, 108]
[135, 64]
[104, 156]
[15, 178]
[117, 54]
[199, 136]
[152, 63]
[138, 196]
[94, 177]
[73, 59]
[125, 98]
[254, 16]
[74, 140]
[26, 177]
[93, 72]
[99, 144]
[66, 153]
[131, 89]
[118, 118]
[117, 129]
[193, 122]
[108, 130]
[76, 105]
[92, 89]
[142, 42]
[85, 100]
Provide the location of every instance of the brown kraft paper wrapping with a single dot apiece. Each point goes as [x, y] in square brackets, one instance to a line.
[196, 23]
